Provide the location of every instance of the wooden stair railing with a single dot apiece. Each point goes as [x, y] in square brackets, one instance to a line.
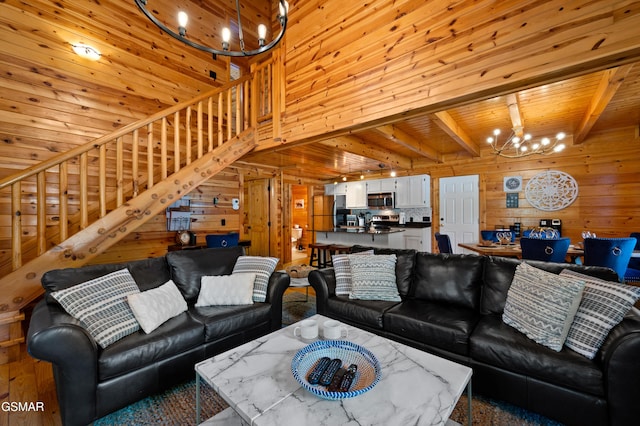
[122, 165]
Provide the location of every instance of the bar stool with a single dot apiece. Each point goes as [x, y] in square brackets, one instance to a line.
[318, 255]
[337, 249]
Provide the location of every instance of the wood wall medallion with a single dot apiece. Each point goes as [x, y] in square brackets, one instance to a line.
[551, 190]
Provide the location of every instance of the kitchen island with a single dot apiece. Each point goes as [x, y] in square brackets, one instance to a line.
[349, 236]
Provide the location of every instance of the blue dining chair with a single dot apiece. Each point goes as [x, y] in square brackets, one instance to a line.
[222, 240]
[613, 253]
[444, 243]
[545, 249]
[632, 274]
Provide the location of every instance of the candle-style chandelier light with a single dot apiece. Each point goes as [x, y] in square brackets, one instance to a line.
[521, 146]
[183, 19]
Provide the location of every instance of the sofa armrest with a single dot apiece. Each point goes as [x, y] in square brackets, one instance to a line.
[323, 282]
[278, 283]
[58, 338]
[619, 355]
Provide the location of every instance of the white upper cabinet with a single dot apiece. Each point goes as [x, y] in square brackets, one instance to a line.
[381, 185]
[413, 191]
[329, 189]
[356, 195]
[340, 189]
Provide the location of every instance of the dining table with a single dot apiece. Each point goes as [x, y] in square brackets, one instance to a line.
[512, 250]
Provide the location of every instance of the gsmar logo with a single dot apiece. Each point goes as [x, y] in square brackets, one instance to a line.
[23, 406]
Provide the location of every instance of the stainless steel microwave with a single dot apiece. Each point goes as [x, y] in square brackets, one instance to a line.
[383, 200]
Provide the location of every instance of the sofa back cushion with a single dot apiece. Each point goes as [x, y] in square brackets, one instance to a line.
[405, 263]
[147, 273]
[189, 266]
[449, 278]
[499, 271]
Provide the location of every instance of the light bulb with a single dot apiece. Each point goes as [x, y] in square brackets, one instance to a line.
[516, 141]
[527, 137]
[285, 11]
[535, 146]
[393, 173]
[344, 178]
[523, 148]
[262, 31]
[559, 148]
[183, 18]
[489, 139]
[545, 141]
[226, 35]
[496, 132]
[560, 136]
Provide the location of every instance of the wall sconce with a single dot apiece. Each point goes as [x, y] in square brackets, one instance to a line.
[86, 51]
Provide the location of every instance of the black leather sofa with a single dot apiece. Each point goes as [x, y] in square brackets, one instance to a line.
[92, 382]
[452, 306]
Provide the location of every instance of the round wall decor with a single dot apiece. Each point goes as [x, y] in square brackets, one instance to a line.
[551, 190]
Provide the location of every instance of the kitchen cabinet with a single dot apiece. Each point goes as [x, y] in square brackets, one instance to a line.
[340, 188]
[329, 189]
[356, 195]
[417, 239]
[413, 191]
[377, 186]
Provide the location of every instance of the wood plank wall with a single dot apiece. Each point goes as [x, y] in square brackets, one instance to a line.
[606, 168]
[436, 54]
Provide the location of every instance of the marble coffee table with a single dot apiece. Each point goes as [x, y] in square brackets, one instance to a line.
[255, 379]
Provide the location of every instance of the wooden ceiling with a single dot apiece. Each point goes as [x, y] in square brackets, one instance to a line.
[578, 106]
[53, 101]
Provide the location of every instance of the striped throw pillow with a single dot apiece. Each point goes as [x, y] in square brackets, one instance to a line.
[263, 267]
[342, 271]
[374, 277]
[101, 306]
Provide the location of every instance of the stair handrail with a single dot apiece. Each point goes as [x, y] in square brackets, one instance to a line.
[81, 149]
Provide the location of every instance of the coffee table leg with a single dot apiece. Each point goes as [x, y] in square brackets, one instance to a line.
[197, 399]
[469, 420]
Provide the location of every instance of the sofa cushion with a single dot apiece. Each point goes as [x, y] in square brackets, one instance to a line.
[367, 313]
[101, 306]
[155, 306]
[604, 304]
[189, 266]
[449, 278]
[373, 277]
[445, 326]
[147, 273]
[224, 321]
[405, 262]
[139, 349]
[542, 305]
[495, 343]
[262, 267]
[342, 270]
[235, 289]
[499, 271]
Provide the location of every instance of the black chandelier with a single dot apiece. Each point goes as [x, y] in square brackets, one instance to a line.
[226, 33]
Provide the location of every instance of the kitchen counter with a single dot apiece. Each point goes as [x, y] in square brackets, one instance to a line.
[388, 238]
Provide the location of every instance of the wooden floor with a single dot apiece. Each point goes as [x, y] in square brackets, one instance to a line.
[30, 380]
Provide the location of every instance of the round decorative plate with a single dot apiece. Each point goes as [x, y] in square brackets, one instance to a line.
[551, 190]
[183, 237]
[367, 375]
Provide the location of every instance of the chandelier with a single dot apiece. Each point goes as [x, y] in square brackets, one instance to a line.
[521, 146]
[183, 19]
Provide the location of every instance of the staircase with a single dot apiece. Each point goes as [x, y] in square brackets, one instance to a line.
[139, 171]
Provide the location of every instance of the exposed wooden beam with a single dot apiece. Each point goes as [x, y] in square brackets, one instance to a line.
[517, 122]
[453, 129]
[357, 146]
[609, 85]
[396, 135]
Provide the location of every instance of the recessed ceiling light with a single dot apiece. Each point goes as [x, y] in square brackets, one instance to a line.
[86, 51]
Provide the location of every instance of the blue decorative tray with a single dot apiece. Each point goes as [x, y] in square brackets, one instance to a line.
[367, 377]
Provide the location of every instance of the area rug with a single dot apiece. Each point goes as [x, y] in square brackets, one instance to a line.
[177, 405]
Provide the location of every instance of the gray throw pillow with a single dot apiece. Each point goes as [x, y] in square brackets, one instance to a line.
[542, 305]
[374, 277]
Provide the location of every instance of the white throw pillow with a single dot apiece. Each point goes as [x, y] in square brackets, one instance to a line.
[542, 305]
[235, 289]
[263, 267]
[604, 304]
[374, 277]
[101, 306]
[154, 307]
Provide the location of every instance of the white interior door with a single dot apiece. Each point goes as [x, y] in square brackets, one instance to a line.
[459, 209]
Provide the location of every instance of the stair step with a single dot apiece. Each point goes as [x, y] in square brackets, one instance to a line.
[11, 336]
